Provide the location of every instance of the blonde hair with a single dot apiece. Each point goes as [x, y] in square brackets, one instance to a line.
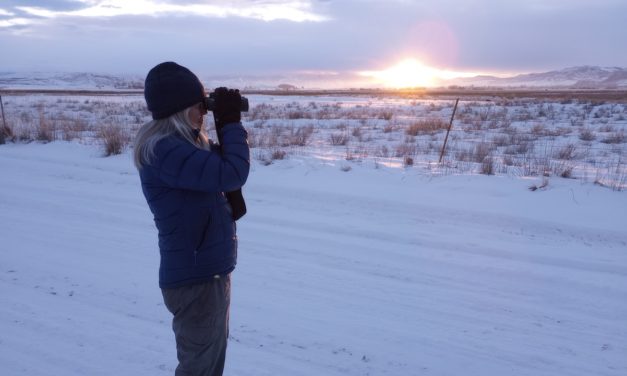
[154, 131]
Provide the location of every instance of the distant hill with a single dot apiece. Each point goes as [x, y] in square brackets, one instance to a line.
[76, 81]
[583, 77]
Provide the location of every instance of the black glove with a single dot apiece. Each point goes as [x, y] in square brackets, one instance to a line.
[238, 205]
[227, 106]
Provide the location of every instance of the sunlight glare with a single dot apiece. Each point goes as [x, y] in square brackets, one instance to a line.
[412, 73]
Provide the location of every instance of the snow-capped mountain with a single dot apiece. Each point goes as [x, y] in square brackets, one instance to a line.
[582, 77]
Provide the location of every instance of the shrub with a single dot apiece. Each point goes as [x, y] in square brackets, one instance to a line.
[587, 135]
[382, 152]
[301, 136]
[254, 138]
[481, 151]
[46, 131]
[427, 126]
[356, 132]
[72, 129]
[501, 140]
[338, 139]
[386, 115]
[614, 138]
[508, 160]
[404, 149]
[567, 152]
[298, 114]
[606, 129]
[567, 172]
[263, 158]
[6, 133]
[389, 128]
[538, 130]
[487, 166]
[114, 139]
[278, 154]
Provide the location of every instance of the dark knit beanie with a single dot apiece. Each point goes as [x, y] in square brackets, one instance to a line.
[170, 88]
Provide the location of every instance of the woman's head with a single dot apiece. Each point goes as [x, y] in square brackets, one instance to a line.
[175, 97]
[170, 88]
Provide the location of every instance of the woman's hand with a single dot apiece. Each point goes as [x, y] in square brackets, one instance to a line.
[227, 107]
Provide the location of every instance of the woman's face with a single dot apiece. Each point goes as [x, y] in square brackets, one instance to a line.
[196, 114]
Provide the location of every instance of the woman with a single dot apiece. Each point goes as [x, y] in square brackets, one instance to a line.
[184, 178]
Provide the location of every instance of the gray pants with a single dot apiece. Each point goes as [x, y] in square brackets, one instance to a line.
[201, 325]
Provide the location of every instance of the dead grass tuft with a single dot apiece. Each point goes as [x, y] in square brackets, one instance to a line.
[567, 152]
[114, 139]
[6, 134]
[487, 166]
[587, 134]
[427, 126]
[339, 139]
[614, 138]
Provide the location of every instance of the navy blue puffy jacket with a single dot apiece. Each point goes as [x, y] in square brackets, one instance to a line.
[184, 187]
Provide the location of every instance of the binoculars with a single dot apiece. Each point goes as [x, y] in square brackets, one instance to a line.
[210, 103]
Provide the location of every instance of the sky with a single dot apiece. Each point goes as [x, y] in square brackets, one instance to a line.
[319, 38]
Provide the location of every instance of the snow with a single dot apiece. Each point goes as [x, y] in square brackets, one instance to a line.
[366, 272]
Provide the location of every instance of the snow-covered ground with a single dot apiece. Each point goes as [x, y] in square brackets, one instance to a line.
[366, 272]
[583, 139]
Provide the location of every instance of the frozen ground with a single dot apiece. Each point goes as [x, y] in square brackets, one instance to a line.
[366, 272]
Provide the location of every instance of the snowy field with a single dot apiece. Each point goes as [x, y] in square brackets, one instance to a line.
[371, 271]
[528, 137]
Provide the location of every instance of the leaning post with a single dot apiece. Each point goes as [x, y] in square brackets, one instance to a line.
[450, 124]
[4, 122]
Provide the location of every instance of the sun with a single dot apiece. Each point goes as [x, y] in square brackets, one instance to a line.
[410, 73]
[407, 73]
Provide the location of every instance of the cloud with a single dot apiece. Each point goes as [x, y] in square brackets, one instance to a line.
[13, 22]
[253, 36]
[266, 10]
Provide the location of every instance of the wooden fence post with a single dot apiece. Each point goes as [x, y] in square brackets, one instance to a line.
[450, 124]
[4, 123]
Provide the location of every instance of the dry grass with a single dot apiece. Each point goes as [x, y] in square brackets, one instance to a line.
[338, 139]
[6, 134]
[427, 126]
[46, 130]
[614, 138]
[508, 135]
[114, 139]
[587, 134]
[278, 154]
[487, 166]
[567, 152]
[481, 151]
[300, 136]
